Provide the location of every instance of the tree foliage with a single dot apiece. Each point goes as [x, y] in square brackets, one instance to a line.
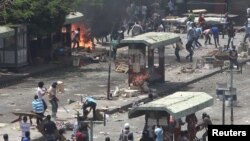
[41, 16]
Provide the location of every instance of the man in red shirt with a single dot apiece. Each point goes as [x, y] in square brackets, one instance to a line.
[80, 136]
[201, 21]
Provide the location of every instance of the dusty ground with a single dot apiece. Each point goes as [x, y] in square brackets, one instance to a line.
[92, 80]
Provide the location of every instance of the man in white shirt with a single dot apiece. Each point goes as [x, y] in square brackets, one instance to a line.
[248, 11]
[41, 91]
[171, 7]
[24, 126]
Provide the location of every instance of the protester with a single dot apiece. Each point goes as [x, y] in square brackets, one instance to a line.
[231, 33]
[137, 29]
[189, 24]
[247, 29]
[225, 22]
[171, 7]
[207, 33]
[191, 123]
[201, 21]
[191, 16]
[50, 129]
[191, 36]
[204, 125]
[198, 33]
[126, 133]
[27, 136]
[61, 137]
[80, 136]
[145, 136]
[41, 91]
[215, 32]
[5, 137]
[24, 126]
[89, 102]
[178, 47]
[107, 139]
[233, 57]
[183, 136]
[38, 108]
[158, 133]
[248, 11]
[76, 38]
[53, 99]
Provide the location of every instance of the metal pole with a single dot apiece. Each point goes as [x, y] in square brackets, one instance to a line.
[223, 109]
[231, 96]
[108, 90]
[91, 130]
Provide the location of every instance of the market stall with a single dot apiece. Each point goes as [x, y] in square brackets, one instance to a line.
[179, 104]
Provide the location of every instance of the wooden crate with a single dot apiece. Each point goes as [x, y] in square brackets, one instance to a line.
[123, 68]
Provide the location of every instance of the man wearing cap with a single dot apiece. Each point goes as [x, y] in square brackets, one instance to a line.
[53, 99]
[126, 134]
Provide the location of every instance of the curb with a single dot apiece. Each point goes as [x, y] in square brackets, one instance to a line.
[17, 79]
[172, 90]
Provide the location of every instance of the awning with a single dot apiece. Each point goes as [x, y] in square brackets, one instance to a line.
[73, 17]
[178, 104]
[152, 39]
[6, 32]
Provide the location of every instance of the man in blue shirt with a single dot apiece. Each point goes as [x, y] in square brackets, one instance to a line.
[247, 29]
[89, 102]
[38, 108]
[215, 32]
[159, 133]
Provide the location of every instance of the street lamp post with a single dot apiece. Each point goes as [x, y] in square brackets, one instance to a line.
[109, 72]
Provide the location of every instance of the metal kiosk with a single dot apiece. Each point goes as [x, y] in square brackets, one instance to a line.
[140, 63]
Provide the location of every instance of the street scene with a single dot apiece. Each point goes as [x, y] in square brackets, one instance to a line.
[152, 71]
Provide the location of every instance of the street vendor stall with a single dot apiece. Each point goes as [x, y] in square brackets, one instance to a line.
[179, 104]
[138, 72]
[171, 108]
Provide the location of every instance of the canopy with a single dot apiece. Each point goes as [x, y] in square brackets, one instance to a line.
[178, 104]
[152, 39]
[6, 31]
[73, 17]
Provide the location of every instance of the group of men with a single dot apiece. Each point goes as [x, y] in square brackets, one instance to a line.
[39, 107]
[173, 131]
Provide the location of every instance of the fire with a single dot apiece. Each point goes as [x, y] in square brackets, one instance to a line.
[85, 39]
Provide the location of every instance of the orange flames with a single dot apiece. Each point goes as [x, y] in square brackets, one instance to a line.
[85, 39]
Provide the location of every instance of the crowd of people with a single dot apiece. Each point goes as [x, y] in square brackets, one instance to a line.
[140, 19]
[46, 123]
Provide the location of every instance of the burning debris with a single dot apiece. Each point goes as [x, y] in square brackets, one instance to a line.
[85, 37]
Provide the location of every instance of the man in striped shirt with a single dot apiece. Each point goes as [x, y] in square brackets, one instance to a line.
[38, 108]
